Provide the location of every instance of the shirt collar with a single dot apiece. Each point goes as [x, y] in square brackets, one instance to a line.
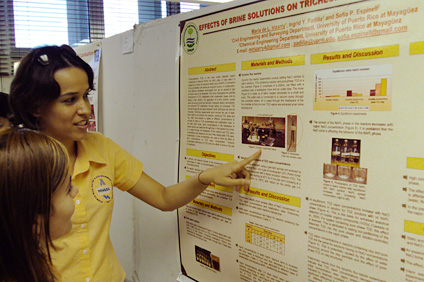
[87, 152]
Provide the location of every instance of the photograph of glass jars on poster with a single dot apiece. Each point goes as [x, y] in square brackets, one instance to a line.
[265, 131]
[345, 161]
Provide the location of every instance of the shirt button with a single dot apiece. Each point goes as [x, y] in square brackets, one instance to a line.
[82, 225]
[84, 252]
[78, 202]
[87, 279]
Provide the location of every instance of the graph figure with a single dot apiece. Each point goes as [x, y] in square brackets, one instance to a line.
[366, 88]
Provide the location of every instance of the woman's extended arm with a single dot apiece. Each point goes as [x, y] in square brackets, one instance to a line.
[175, 196]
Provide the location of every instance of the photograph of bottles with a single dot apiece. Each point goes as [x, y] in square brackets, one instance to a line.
[335, 152]
[359, 174]
[346, 152]
[345, 161]
[330, 170]
[345, 173]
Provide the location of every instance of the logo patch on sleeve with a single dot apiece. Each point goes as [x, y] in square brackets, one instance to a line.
[102, 189]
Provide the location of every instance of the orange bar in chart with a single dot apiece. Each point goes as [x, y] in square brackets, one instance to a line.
[377, 89]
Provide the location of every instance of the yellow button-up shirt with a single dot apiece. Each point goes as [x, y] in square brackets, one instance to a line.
[86, 253]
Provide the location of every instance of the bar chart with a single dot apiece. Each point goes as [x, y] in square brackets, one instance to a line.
[360, 88]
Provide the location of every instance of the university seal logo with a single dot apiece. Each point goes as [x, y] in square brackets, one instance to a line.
[102, 189]
[190, 38]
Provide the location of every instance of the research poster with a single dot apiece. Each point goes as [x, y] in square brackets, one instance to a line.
[332, 91]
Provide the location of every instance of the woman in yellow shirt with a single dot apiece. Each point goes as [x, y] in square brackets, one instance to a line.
[50, 93]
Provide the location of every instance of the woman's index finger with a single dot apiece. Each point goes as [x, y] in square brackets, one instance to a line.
[253, 157]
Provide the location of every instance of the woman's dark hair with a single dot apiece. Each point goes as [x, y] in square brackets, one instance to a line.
[32, 167]
[4, 105]
[34, 85]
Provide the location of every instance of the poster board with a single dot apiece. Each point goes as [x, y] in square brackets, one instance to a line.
[332, 93]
